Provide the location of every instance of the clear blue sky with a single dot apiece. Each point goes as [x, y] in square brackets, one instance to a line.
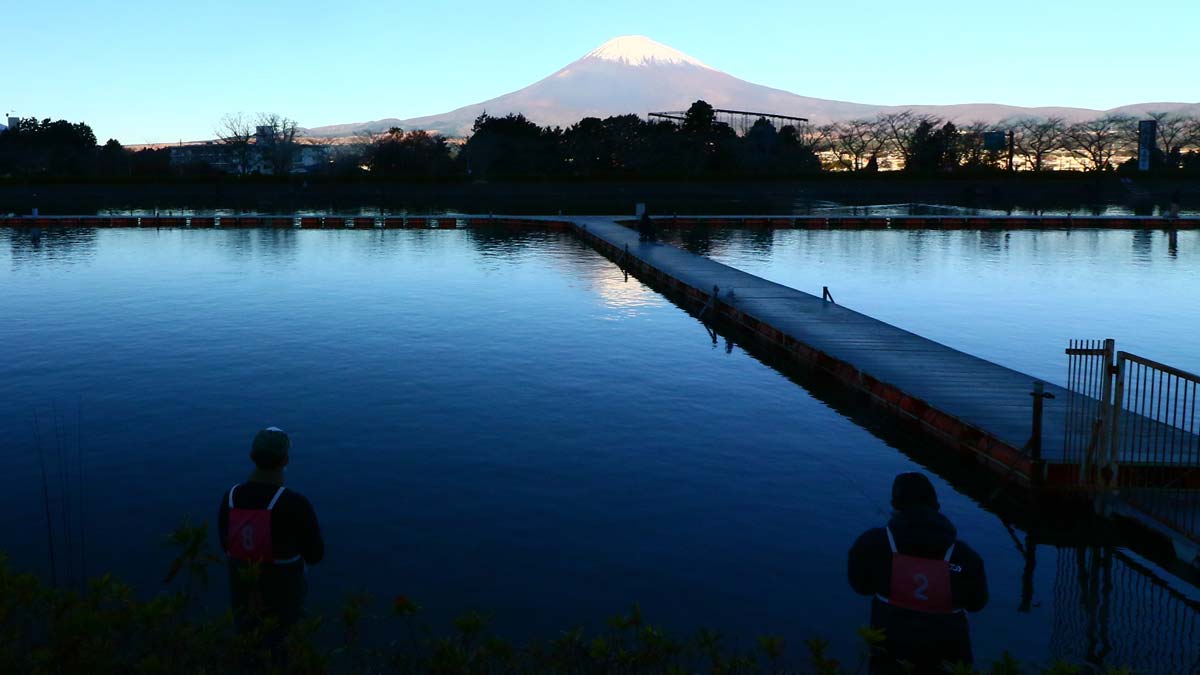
[159, 70]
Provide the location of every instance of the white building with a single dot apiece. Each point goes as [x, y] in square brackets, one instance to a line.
[307, 157]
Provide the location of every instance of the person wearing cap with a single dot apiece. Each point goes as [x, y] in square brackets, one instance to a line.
[262, 522]
[923, 581]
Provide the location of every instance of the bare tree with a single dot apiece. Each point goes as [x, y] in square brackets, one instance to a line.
[860, 141]
[1176, 133]
[826, 144]
[972, 146]
[808, 135]
[236, 132]
[1192, 142]
[1037, 138]
[275, 136]
[1096, 142]
[900, 130]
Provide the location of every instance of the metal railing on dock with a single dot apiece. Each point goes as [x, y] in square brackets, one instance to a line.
[1155, 441]
[1133, 426]
[1089, 380]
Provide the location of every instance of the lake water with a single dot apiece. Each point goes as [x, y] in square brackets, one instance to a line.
[502, 421]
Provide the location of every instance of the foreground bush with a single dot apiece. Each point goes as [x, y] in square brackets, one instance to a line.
[108, 629]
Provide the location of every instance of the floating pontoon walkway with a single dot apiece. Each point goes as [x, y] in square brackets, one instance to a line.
[974, 405]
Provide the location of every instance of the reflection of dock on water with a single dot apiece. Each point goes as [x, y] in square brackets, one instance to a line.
[1111, 610]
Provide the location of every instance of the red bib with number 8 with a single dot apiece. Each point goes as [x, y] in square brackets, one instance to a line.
[250, 535]
[921, 584]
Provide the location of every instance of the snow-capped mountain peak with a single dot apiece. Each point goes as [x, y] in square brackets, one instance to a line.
[636, 75]
[638, 50]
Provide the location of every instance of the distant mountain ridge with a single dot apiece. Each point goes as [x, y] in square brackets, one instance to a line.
[635, 75]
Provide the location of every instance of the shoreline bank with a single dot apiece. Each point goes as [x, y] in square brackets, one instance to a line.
[1025, 194]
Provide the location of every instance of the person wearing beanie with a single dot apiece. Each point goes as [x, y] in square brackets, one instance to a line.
[923, 581]
[261, 523]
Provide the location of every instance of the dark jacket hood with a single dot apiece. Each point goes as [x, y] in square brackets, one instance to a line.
[922, 532]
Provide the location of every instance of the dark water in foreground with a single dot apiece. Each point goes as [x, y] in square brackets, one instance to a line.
[488, 420]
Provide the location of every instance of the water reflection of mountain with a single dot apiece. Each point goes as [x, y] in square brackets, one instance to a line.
[1110, 610]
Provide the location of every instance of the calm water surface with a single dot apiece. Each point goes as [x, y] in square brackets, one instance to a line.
[499, 421]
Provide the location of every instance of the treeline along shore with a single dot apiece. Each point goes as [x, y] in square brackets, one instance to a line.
[695, 164]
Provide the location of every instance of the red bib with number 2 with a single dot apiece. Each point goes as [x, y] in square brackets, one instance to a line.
[921, 584]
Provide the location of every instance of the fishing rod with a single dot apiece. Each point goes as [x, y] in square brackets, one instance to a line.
[37, 435]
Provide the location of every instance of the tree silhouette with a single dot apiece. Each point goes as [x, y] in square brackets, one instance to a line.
[511, 147]
[699, 119]
[51, 148]
[588, 150]
[415, 155]
[900, 131]
[1096, 142]
[1038, 138]
[932, 150]
[972, 151]
[857, 142]
[1175, 133]
[113, 160]
[275, 138]
[794, 156]
[236, 133]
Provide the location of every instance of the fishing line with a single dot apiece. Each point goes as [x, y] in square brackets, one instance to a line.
[37, 435]
[64, 481]
[79, 497]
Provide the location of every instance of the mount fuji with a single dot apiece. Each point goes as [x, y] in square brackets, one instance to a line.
[635, 75]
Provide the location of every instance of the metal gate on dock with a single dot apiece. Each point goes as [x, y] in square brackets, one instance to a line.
[1133, 427]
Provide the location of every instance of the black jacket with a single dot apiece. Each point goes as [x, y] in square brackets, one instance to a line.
[924, 640]
[294, 532]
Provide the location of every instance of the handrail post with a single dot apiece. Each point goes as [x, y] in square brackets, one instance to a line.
[1109, 473]
[1035, 440]
[1104, 453]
